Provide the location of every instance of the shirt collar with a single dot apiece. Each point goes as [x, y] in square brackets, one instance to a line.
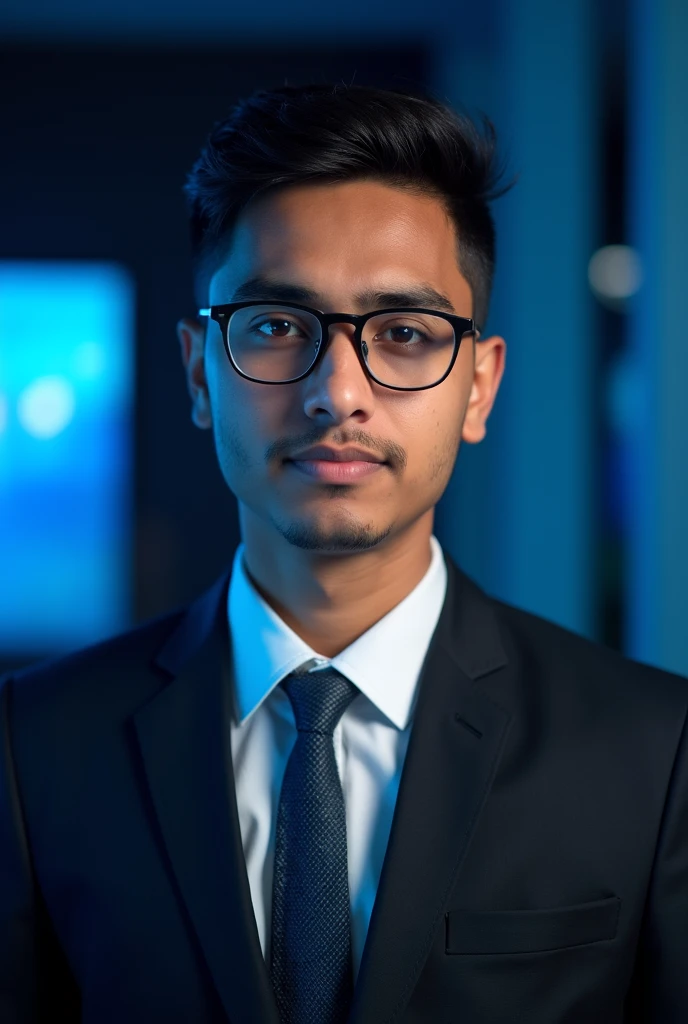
[384, 662]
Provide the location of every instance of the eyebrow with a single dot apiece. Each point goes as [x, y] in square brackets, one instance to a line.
[279, 291]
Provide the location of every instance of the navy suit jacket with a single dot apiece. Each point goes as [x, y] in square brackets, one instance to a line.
[537, 867]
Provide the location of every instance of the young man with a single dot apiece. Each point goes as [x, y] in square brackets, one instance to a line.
[345, 784]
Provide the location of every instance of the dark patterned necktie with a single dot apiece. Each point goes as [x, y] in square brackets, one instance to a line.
[310, 964]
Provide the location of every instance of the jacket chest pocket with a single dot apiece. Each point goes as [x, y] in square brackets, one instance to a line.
[471, 932]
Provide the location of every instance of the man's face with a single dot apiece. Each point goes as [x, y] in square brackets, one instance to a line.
[339, 242]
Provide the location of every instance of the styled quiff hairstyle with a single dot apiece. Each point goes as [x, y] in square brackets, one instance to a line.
[294, 135]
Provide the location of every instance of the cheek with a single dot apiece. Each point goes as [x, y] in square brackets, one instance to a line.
[246, 419]
[234, 429]
[231, 444]
[434, 432]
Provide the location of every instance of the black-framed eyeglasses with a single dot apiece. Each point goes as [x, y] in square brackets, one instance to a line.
[404, 348]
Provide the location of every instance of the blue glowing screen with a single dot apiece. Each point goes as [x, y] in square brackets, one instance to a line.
[66, 403]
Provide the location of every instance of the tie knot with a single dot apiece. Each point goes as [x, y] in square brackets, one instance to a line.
[319, 699]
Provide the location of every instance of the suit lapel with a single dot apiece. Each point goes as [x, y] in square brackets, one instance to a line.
[184, 738]
[456, 742]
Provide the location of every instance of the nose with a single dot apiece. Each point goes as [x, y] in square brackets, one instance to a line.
[339, 386]
[341, 348]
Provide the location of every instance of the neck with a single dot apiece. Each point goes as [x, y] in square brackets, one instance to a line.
[331, 600]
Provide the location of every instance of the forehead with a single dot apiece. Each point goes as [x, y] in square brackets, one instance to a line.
[341, 240]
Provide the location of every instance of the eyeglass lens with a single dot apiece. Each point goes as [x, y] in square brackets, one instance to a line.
[403, 349]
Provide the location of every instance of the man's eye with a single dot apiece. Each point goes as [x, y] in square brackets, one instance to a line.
[403, 334]
[276, 328]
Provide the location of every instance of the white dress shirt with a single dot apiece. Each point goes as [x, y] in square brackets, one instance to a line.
[370, 740]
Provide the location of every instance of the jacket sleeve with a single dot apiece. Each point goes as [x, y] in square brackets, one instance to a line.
[36, 985]
[659, 988]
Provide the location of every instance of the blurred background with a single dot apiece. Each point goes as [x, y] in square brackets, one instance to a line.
[575, 507]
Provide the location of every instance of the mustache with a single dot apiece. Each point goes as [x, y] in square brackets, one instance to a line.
[388, 451]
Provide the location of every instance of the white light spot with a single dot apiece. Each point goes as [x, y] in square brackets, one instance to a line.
[615, 273]
[88, 361]
[46, 407]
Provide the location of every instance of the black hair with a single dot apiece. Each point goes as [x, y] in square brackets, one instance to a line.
[334, 133]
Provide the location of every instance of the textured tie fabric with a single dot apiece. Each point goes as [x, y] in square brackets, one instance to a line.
[310, 965]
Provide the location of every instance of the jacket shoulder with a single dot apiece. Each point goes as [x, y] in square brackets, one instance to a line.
[122, 663]
[554, 648]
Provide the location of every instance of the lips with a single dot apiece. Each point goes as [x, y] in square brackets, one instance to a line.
[335, 472]
[322, 452]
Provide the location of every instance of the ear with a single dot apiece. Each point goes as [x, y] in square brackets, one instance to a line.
[489, 362]
[191, 334]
